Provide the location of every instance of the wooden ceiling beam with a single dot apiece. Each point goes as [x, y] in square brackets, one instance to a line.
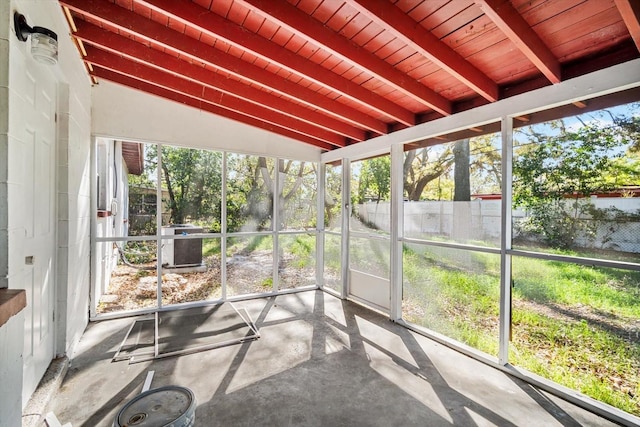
[161, 92]
[216, 26]
[119, 64]
[312, 30]
[131, 23]
[136, 51]
[513, 25]
[630, 12]
[401, 25]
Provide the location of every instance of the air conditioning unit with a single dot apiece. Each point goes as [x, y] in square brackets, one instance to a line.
[181, 253]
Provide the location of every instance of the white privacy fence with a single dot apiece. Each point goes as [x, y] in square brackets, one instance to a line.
[480, 220]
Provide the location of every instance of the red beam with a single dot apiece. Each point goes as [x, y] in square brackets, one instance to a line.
[198, 91]
[424, 42]
[509, 21]
[131, 23]
[200, 105]
[216, 26]
[315, 32]
[122, 45]
[630, 12]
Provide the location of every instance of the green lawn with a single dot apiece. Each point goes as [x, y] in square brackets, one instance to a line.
[573, 324]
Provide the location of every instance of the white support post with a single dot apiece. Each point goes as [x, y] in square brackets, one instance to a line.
[346, 212]
[223, 226]
[275, 224]
[321, 194]
[505, 243]
[397, 230]
[159, 227]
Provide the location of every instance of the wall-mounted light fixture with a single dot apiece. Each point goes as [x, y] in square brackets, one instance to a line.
[44, 42]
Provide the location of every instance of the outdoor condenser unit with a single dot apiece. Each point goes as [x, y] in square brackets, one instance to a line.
[181, 252]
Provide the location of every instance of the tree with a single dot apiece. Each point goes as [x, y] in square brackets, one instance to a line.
[422, 166]
[375, 179]
[249, 196]
[557, 170]
[193, 179]
[461, 173]
[251, 193]
[333, 195]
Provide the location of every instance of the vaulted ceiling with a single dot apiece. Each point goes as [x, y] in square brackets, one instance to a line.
[331, 73]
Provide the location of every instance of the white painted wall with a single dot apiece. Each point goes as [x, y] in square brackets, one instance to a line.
[4, 146]
[74, 204]
[120, 112]
[71, 209]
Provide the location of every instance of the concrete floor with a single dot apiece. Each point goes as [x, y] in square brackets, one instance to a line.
[320, 361]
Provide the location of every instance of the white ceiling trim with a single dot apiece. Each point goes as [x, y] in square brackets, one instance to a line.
[613, 79]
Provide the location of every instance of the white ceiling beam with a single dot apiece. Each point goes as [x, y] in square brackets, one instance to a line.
[603, 82]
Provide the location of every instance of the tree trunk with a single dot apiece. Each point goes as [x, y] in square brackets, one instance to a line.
[176, 216]
[462, 227]
[461, 173]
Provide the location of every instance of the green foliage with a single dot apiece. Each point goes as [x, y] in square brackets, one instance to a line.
[211, 247]
[267, 283]
[557, 170]
[333, 196]
[250, 193]
[297, 198]
[302, 247]
[193, 179]
[374, 180]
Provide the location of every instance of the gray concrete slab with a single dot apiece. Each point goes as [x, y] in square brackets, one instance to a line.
[319, 361]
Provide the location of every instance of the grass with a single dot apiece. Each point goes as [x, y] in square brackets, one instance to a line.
[454, 297]
[211, 247]
[571, 323]
[301, 247]
[605, 289]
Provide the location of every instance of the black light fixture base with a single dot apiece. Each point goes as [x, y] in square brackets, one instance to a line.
[22, 28]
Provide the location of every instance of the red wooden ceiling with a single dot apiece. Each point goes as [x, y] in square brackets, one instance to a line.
[336, 72]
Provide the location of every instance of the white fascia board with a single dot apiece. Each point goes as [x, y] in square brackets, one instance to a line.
[613, 79]
[119, 112]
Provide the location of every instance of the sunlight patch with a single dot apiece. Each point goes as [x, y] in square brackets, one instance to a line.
[279, 349]
[415, 386]
[384, 339]
[337, 341]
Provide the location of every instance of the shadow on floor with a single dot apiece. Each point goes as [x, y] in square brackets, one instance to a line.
[319, 361]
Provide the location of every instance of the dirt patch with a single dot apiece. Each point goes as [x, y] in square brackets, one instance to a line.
[133, 288]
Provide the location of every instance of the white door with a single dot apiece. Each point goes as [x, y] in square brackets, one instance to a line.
[369, 239]
[39, 216]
